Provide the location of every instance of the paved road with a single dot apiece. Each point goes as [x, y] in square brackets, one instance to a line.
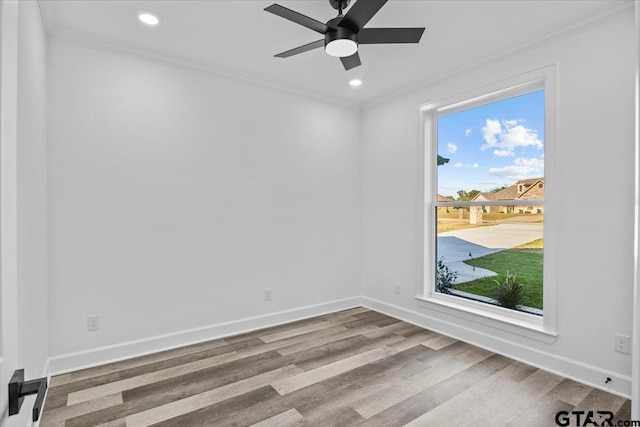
[460, 245]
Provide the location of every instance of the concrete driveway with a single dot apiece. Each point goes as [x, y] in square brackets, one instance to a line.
[461, 245]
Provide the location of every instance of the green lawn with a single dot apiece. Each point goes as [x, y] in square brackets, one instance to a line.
[525, 261]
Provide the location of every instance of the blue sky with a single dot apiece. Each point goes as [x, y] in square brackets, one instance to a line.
[492, 145]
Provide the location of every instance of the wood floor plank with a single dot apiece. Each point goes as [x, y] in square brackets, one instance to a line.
[534, 387]
[455, 357]
[413, 340]
[602, 400]
[165, 391]
[304, 379]
[290, 418]
[150, 378]
[624, 413]
[571, 392]
[395, 328]
[57, 417]
[268, 408]
[496, 400]
[379, 400]
[541, 414]
[209, 415]
[297, 331]
[399, 365]
[323, 339]
[116, 367]
[275, 329]
[117, 423]
[58, 394]
[403, 387]
[438, 342]
[354, 367]
[198, 401]
[347, 389]
[322, 355]
[336, 417]
[302, 340]
[432, 397]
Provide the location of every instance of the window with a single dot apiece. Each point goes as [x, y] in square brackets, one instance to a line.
[488, 246]
[485, 251]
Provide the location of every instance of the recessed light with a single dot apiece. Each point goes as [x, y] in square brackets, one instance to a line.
[148, 18]
[355, 82]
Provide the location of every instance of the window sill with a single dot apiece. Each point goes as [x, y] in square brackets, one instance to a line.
[517, 323]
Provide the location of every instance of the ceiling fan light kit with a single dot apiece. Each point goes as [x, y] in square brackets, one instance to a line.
[341, 43]
[344, 34]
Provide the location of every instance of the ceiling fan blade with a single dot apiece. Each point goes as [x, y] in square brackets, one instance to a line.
[298, 18]
[390, 35]
[301, 49]
[350, 62]
[360, 13]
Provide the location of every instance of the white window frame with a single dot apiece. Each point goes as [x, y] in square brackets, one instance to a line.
[542, 328]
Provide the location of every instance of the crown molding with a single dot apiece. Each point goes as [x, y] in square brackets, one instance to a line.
[79, 38]
[614, 10]
[611, 12]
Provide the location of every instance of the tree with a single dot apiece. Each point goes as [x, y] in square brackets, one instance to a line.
[496, 189]
[464, 196]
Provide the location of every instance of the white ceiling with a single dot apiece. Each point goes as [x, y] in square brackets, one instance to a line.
[237, 37]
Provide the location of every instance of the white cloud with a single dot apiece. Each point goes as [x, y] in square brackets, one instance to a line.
[458, 165]
[505, 139]
[489, 133]
[521, 168]
[475, 166]
[467, 132]
[532, 162]
[451, 147]
[502, 153]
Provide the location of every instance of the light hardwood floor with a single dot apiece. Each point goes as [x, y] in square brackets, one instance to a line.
[355, 367]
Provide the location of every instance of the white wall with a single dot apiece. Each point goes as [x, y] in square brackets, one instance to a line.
[176, 197]
[596, 150]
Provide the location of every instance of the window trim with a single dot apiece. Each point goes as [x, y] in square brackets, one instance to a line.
[498, 317]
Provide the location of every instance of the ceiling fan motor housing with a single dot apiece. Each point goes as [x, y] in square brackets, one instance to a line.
[341, 33]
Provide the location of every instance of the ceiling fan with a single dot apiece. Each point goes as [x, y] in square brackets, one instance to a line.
[343, 34]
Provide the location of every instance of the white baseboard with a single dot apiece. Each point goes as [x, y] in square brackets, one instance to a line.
[113, 353]
[577, 371]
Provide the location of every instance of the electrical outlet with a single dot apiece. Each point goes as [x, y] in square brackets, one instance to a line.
[93, 323]
[621, 344]
[267, 294]
[398, 289]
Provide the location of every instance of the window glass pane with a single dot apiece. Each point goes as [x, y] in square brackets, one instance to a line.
[492, 146]
[493, 153]
[472, 257]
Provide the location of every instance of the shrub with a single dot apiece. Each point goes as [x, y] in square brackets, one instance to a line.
[509, 292]
[445, 278]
